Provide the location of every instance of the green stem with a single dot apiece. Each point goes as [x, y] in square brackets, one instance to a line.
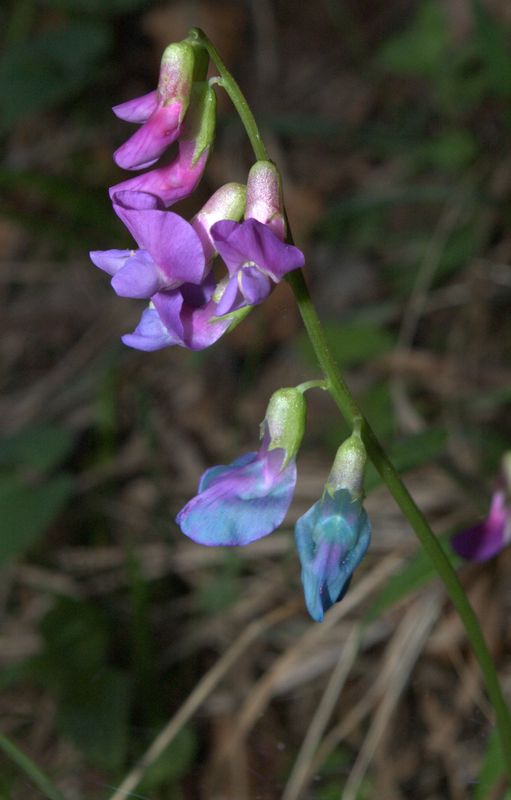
[235, 93]
[30, 769]
[349, 409]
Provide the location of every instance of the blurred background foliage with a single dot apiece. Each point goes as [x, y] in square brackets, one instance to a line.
[391, 124]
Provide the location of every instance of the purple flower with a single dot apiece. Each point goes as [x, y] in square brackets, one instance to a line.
[161, 112]
[487, 538]
[242, 502]
[256, 260]
[171, 251]
[171, 183]
[178, 179]
[248, 499]
[332, 538]
[184, 317]
[144, 148]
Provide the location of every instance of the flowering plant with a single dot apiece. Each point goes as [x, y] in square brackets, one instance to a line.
[201, 277]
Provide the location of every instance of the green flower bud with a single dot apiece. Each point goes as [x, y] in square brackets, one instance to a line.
[177, 75]
[284, 421]
[348, 468]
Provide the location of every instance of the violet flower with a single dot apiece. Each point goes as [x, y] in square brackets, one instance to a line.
[248, 499]
[184, 317]
[171, 252]
[160, 112]
[256, 260]
[487, 538]
[179, 178]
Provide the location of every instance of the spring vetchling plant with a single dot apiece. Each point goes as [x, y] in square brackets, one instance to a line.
[191, 302]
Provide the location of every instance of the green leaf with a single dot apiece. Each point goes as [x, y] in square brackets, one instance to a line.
[492, 768]
[27, 511]
[422, 48]
[494, 46]
[96, 717]
[411, 452]
[172, 764]
[352, 343]
[41, 447]
[450, 151]
[417, 572]
[31, 770]
[36, 74]
[76, 636]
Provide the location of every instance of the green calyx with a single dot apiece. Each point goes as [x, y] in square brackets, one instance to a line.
[177, 74]
[284, 421]
[348, 468]
[201, 119]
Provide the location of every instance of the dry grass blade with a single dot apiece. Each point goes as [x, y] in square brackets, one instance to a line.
[320, 719]
[401, 657]
[197, 697]
[263, 690]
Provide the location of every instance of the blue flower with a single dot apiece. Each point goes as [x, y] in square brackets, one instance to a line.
[248, 499]
[241, 502]
[332, 538]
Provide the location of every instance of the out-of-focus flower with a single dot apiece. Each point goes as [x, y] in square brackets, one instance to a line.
[487, 538]
[178, 179]
[256, 260]
[332, 537]
[161, 112]
[248, 499]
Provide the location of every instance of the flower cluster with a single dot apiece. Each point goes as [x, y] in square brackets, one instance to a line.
[173, 264]
[200, 277]
[248, 499]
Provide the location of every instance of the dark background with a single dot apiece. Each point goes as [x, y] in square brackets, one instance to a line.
[390, 122]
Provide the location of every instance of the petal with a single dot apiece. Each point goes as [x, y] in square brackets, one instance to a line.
[138, 278]
[255, 286]
[231, 298]
[486, 539]
[139, 109]
[188, 313]
[150, 333]
[172, 242]
[171, 183]
[110, 261]
[253, 241]
[237, 504]
[147, 144]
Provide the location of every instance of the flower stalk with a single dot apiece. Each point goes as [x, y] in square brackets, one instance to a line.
[348, 407]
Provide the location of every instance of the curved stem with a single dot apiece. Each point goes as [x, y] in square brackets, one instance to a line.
[235, 93]
[349, 409]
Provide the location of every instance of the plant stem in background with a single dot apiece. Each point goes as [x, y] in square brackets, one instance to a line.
[30, 769]
[349, 409]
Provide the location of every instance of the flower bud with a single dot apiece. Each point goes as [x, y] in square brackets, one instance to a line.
[228, 202]
[180, 63]
[284, 421]
[264, 197]
[348, 468]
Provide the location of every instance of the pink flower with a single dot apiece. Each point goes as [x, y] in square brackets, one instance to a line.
[487, 538]
[161, 112]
